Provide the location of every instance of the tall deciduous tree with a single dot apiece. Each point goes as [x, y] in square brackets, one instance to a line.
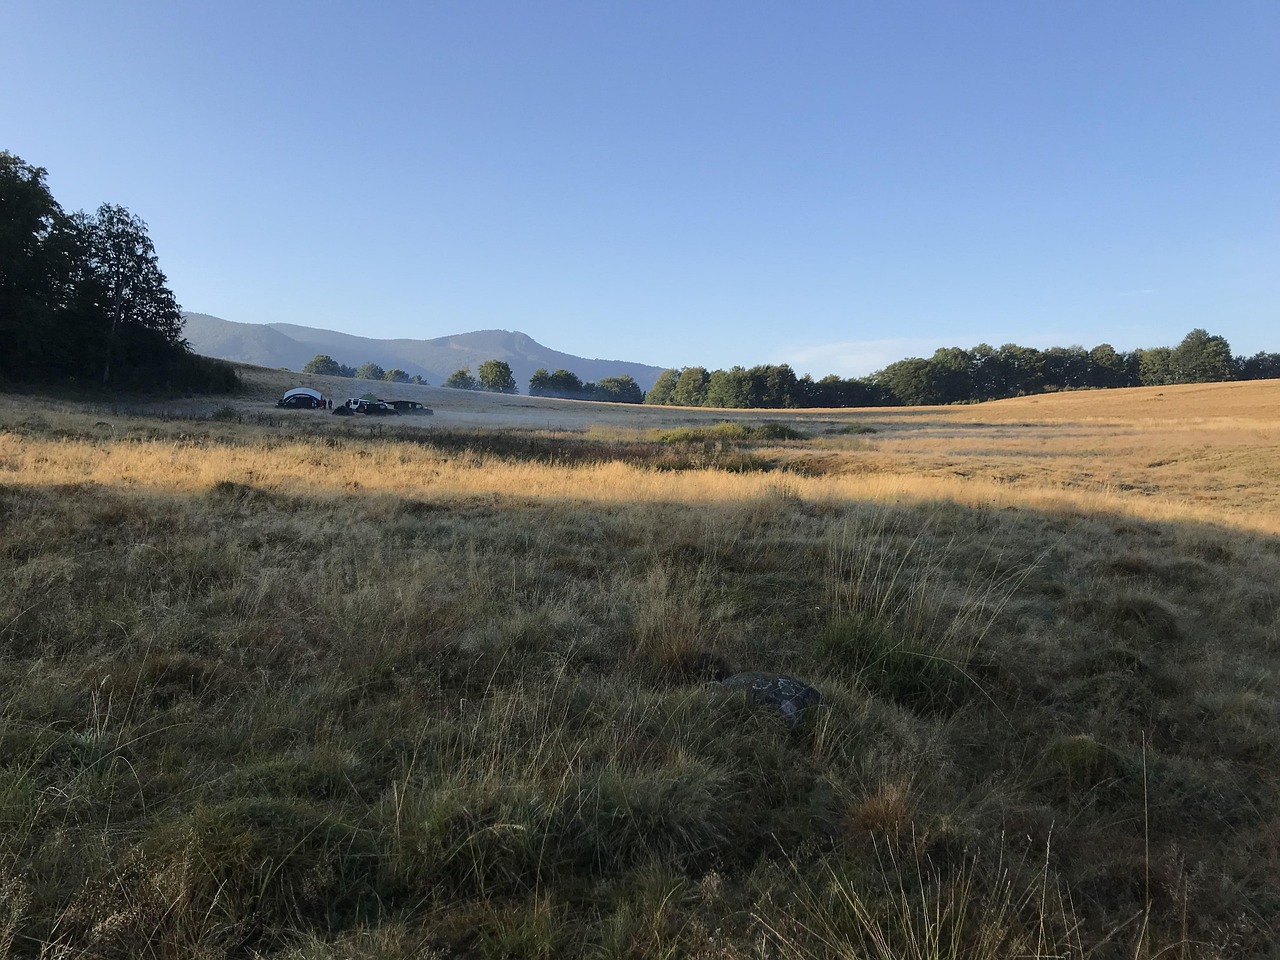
[1153, 366]
[663, 387]
[83, 296]
[496, 377]
[729, 388]
[910, 381]
[1201, 357]
[691, 387]
[1023, 369]
[462, 380]
[323, 364]
[1260, 366]
[42, 329]
[623, 389]
[1106, 367]
[370, 371]
[540, 382]
[128, 285]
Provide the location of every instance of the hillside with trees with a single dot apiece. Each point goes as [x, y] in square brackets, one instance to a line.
[292, 346]
[82, 297]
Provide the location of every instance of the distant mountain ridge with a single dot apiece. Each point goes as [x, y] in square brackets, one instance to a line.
[292, 346]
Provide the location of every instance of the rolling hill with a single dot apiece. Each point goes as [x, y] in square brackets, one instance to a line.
[291, 346]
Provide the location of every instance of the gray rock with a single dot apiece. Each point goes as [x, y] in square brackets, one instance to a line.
[790, 697]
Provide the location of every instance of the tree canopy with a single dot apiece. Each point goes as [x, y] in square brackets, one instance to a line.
[324, 365]
[1201, 358]
[496, 377]
[567, 385]
[82, 296]
[462, 379]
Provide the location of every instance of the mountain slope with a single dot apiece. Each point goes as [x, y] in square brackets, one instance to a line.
[291, 345]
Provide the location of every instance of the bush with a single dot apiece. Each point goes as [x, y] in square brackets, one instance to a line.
[743, 434]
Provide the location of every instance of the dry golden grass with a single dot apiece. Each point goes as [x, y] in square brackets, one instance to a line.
[280, 684]
[1089, 451]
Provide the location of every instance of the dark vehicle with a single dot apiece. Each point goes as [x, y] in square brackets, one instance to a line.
[299, 401]
[372, 408]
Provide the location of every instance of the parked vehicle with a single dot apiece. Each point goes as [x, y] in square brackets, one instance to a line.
[373, 408]
[300, 401]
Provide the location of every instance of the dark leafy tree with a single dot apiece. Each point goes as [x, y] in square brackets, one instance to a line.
[564, 383]
[729, 388]
[462, 380]
[1261, 366]
[986, 373]
[370, 371]
[396, 375]
[691, 387]
[540, 382]
[41, 252]
[1153, 367]
[83, 297]
[623, 389]
[1107, 368]
[496, 377]
[834, 391]
[772, 385]
[322, 364]
[910, 381]
[948, 375]
[1023, 369]
[1201, 357]
[1132, 368]
[123, 280]
[663, 387]
[567, 385]
[827, 392]
[1066, 368]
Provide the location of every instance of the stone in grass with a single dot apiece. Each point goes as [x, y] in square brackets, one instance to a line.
[790, 697]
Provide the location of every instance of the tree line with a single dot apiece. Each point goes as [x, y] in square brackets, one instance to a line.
[83, 299]
[495, 376]
[950, 375]
[955, 375]
[325, 365]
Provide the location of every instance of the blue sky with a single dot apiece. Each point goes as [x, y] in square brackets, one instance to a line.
[834, 185]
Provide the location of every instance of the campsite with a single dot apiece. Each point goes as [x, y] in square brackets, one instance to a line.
[640, 481]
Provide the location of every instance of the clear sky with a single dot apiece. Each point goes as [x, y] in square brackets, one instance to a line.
[833, 185]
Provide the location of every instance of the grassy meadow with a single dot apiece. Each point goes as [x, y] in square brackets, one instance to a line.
[285, 685]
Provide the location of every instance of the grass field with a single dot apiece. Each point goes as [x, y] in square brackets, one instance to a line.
[282, 684]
